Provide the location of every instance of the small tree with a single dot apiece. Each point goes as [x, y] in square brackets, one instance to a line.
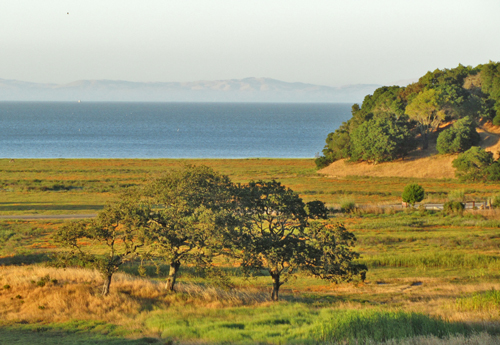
[191, 209]
[275, 236]
[413, 193]
[118, 229]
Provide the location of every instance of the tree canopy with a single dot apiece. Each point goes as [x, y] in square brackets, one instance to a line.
[417, 110]
[190, 211]
[118, 228]
[277, 236]
[459, 138]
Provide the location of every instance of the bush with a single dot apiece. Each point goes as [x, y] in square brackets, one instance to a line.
[381, 140]
[454, 207]
[456, 195]
[413, 193]
[459, 138]
[322, 162]
[475, 164]
[347, 206]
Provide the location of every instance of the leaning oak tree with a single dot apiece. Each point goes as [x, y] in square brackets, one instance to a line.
[115, 237]
[190, 210]
[274, 236]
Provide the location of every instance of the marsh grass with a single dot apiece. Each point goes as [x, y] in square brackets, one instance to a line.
[438, 269]
[488, 301]
[58, 186]
[300, 324]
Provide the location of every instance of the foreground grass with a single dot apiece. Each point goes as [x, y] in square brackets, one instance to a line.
[433, 279]
[139, 311]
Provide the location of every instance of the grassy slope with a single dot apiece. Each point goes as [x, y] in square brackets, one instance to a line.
[418, 164]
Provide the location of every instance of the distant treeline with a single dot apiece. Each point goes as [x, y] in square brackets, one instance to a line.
[396, 120]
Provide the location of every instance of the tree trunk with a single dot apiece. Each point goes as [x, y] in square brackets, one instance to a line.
[172, 275]
[276, 287]
[107, 283]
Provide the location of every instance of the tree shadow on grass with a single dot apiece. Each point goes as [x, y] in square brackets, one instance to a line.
[24, 259]
[43, 335]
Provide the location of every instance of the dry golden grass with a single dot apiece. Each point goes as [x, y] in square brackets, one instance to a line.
[427, 167]
[76, 296]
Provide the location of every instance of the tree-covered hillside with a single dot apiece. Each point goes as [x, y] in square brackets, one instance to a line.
[396, 120]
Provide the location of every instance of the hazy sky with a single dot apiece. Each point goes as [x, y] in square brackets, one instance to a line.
[328, 42]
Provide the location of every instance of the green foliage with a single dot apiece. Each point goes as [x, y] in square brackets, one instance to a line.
[473, 164]
[453, 207]
[457, 195]
[437, 96]
[496, 202]
[459, 138]
[426, 110]
[347, 206]
[316, 210]
[322, 162]
[490, 80]
[190, 211]
[276, 235]
[119, 228]
[413, 193]
[381, 139]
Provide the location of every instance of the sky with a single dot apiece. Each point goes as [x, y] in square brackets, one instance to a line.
[325, 42]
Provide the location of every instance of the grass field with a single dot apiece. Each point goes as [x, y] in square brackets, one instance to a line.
[433, 278]
[62, 186]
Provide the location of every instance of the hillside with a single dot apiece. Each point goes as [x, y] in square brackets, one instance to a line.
[420, 164]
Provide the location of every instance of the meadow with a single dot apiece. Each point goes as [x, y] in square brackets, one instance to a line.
[433, 278]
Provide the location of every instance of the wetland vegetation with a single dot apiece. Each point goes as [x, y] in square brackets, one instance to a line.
[432, 277]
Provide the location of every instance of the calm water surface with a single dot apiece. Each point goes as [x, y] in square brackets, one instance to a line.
[166, 130]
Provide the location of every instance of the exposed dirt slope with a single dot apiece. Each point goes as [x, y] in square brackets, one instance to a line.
[420, 164]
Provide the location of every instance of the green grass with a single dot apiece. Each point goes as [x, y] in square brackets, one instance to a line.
[488, 301]
[75, 332]
[398, 247]
[297, 324]
[58, 186]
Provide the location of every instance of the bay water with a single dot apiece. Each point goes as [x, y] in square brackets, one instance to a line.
[166, 130]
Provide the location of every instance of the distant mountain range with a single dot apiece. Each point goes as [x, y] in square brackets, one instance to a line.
[233, 90]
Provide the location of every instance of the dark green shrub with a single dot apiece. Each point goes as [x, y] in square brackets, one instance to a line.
[493, 171]
[413, 193]
[473, 164]
[454, 207]
[380, 140]
[459, 138]
[322, 162]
